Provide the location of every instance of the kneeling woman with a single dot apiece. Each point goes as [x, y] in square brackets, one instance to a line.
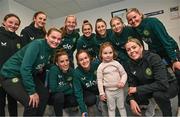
[85, 85]
[60, 78]
[19, 75]
[148, 79]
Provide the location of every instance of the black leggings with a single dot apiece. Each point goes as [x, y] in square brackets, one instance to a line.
[12, 103]
[15, 89]
[60, 100]
[177, 74]
[161, 98]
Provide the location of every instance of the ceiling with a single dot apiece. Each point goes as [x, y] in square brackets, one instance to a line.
[60, 8]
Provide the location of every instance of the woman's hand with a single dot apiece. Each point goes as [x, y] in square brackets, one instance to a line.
[132, 90]
[84, 114]
[34, 100]
[176, 65]
[135, 108]
[103, 97]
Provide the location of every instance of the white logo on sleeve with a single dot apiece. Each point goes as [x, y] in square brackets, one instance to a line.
[4, 44]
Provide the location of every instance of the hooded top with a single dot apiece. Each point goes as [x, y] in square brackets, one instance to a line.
[9, 44]
[148, 74]
[85, 80]
[88, 44]
[27, 63]
[153, 32]
[118, 41]
[59, 81]
[69, 43]
[31, 33]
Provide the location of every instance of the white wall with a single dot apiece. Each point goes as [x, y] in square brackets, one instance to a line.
[146, 6]
[24, 13]
[4, 9]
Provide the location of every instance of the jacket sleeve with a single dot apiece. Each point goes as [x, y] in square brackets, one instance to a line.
[131, 83]
[161, 33]
[25, 38]
[100, 80]
[52, 77]
[160, 77]
[78, 91]
[26, 70]
[122, 73]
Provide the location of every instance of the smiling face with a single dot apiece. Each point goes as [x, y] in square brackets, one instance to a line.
[84, 60]
[101, 28]
[40, 20]
[117, 25]
[87, 30]
[63, 63]
[134, 18]
[54, 38]
[11, 24]
[70, 23]
[134, 50]
[107, 54]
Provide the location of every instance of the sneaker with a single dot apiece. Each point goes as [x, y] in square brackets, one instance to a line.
[150, 112]
[178, 112]
[143, 107]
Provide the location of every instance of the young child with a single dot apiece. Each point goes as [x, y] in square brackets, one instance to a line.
[111, 79]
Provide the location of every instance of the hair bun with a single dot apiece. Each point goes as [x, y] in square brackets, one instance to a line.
[85, 21]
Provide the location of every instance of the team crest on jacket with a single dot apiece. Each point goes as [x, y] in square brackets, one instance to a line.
[148, 71]
[15, 80]
[146, 32]
[130, 37]
[18, 45]
[69, 79]
[4, 44]
[74, 40]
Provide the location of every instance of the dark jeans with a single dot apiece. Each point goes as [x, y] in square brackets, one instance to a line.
[12, 103]
[15, 89]
[90, 98]
[161, 98]
[177, 74]
[60, 100]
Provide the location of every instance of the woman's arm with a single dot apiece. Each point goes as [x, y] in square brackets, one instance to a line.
[78, 91]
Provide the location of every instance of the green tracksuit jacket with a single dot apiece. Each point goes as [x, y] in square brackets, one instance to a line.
[28, 62]
[85, 80]
[153, 32]
[59, 81]
[118, 41]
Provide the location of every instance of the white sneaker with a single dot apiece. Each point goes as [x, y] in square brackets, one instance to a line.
[150, 112]
[178, 112]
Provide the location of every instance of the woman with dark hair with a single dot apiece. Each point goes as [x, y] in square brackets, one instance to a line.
[10, 43]
[19, 75]
[88, 40]
[84, 82]
[102, 33]
[36, 29]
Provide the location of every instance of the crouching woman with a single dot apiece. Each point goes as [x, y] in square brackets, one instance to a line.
[148, 79]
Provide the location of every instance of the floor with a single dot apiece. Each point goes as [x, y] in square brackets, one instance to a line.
[72, 112]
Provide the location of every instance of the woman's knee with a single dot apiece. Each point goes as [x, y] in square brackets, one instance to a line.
[59, 98]
[160, 96]
[90, 100]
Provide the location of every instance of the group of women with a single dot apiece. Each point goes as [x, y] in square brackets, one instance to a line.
[36, 57]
